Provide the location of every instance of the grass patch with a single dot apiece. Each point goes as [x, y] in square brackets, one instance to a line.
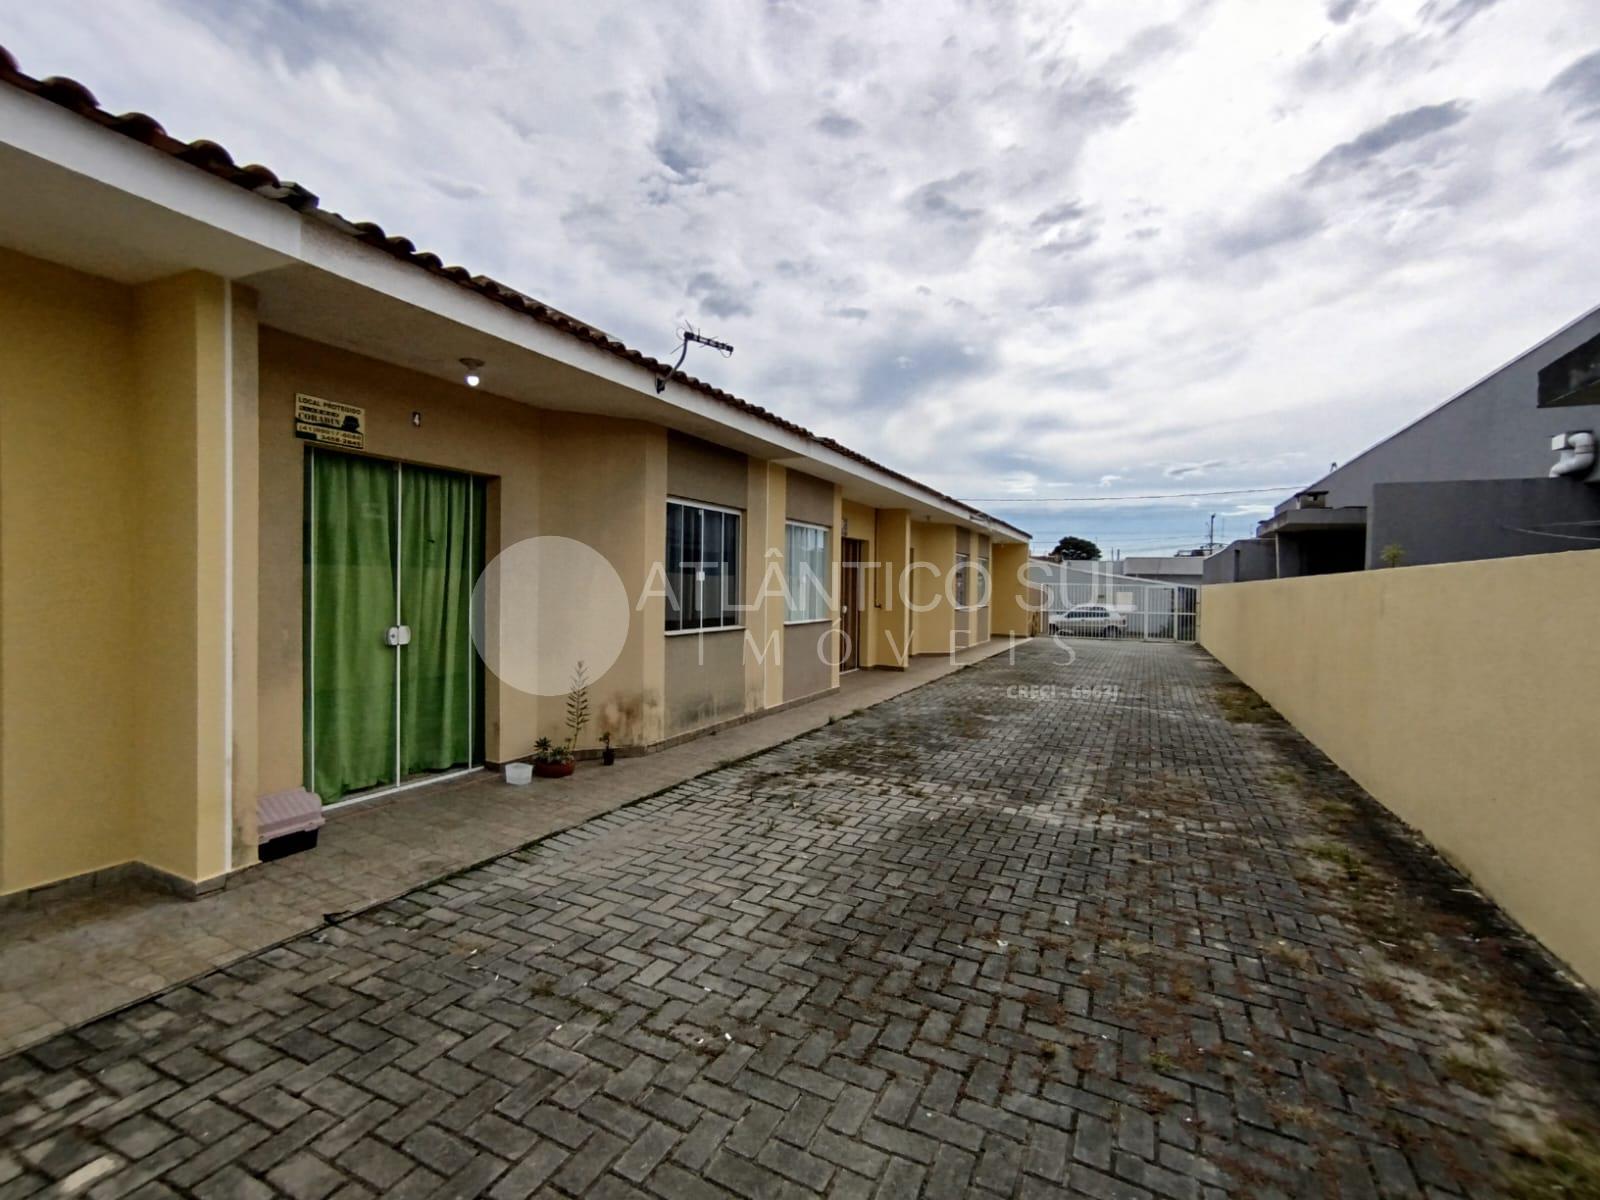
[1242, 706]
[1335, 855]
[1475, 1074]
[1565, 1166]
[1295, 956]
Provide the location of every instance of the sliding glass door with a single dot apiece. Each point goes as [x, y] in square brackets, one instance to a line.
[393, 686]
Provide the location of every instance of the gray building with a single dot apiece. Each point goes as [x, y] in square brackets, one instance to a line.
[1507, 467]
[1181, 569]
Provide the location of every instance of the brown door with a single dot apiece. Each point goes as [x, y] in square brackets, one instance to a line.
[851, 593]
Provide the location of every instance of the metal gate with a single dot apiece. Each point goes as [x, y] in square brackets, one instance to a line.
[1085, 599]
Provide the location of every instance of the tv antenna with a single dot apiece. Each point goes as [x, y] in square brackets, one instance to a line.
[688, 335]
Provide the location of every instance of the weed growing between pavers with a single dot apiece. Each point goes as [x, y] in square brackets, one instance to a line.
[1565, 1165]
[1243, 705]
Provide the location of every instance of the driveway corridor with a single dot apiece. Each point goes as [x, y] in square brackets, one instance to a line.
[1034, 929]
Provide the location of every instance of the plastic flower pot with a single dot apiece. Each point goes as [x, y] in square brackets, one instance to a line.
[554, 770]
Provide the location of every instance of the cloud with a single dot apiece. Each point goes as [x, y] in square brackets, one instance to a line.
[456, 189]
[1413, 125]
[1080, 379]
[1060, 214]
[1189, 469]
[1005, 246]
[1451, 15]
[1578, 87]
[938, 199]
[835, 125]
[1091, 102]
[691, 120]
[900, 369]
[1274, 221]
[717, 297]
[300, 33]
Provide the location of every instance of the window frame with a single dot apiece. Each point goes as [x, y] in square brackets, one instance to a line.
[963, 589]
[733, 606]
[982, 578]
[829, 609]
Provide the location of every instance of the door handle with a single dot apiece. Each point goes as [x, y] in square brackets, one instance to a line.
[398, 635]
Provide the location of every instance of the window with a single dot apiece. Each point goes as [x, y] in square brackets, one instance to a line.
[702, 567]
[805, 558]
[983, 580]
[961, 580]
[1574, 378]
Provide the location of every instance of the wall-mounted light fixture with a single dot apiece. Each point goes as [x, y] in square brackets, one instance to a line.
[473, 366]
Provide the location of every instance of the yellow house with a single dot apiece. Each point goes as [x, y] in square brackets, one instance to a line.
[259, 532]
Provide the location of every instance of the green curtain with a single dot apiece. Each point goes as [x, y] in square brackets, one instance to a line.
[350, 548]
[441, 527]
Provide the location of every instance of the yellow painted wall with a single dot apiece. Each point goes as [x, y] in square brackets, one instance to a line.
[246, 765]
[602, 482]
[181, 637]
[69, 681]
[934, 561]
[892, 615]
[1462, 697]
[113, 544]
[766, 503]
[1010, 613]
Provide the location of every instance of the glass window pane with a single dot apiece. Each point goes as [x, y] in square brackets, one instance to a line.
[730, 557]
[710, 568]
[691, 568]
[673, 565]
[806, 572]
[791, 558]
[702, 566]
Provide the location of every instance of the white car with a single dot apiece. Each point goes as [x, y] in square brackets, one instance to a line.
[1089, 620]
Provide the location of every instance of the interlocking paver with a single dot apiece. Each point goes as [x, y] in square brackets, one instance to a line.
[1040, 927]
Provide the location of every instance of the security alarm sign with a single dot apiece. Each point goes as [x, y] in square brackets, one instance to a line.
[329, 423]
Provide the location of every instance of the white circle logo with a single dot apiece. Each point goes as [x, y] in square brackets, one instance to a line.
[544, 605]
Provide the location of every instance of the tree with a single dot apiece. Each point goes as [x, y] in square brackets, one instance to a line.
[1075, 549]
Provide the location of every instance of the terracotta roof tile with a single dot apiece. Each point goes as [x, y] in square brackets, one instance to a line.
[212, 158]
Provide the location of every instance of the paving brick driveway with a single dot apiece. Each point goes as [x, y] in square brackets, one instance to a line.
[1035, 929]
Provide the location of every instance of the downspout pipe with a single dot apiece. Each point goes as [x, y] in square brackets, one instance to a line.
[1577, 451]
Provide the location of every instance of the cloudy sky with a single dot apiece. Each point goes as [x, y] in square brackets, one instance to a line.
[1020, 250]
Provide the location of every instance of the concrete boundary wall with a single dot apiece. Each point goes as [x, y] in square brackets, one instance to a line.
[1464, 697]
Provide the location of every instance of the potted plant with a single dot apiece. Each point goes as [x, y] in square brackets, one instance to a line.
[551, 761]
[557, 762]
[608, 754]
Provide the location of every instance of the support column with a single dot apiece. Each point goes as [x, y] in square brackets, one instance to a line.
[763, 648]
[183, 352]
[246, 562]
[835, 572]
[893, 634]
[1015, 595]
